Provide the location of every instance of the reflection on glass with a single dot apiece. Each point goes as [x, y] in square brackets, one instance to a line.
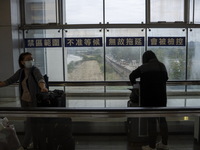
[40, 11]
[167, 10]
[84, 11]
[121, 60]
[84, 63]
[129, 11]
[174, 57]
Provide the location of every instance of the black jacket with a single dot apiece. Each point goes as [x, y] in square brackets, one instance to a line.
[153, 77]
[34, 78]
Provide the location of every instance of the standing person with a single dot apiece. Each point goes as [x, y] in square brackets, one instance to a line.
[31, 82]
[153, 76]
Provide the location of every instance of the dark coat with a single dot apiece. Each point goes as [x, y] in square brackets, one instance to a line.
[153, 77]
[34, 78]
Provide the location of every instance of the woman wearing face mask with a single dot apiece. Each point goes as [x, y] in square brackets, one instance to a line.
[31, 82]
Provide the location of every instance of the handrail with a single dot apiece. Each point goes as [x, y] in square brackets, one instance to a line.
[116, 83]
[99, 112]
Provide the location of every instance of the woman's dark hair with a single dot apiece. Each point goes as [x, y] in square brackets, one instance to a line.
[148, 55]
[21, 58]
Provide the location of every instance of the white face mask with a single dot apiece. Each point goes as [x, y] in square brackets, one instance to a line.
[29, 64]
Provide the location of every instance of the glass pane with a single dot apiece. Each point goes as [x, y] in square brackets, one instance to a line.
[129, 11]
[174, 57]
[84, 11]
[121, 60]
[197, 11]
[175, 102]
[167, 10]
[193, 54]
[191, 13]
[84, 62]
[193, 102]
[48, 59]
[40, 11]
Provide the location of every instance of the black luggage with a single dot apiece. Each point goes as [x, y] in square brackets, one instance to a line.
[134, 98]
[56, 98]
[137, 127]
[52, 134]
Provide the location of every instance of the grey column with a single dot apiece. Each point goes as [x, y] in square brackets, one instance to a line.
[9, 44]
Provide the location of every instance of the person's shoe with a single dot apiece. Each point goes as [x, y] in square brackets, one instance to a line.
[21, 148]
[147, 148]
[25, 148]
[162, 146]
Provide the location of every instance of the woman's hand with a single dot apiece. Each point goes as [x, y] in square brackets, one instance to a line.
[42, 86]
[44, 89]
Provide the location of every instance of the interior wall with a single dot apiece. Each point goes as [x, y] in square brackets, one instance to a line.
[9, 43]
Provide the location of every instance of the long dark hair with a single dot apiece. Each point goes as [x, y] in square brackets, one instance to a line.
[147, 56]
[21, 58]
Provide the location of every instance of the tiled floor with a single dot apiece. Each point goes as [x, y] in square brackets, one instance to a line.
[119, 142]
[176, 142]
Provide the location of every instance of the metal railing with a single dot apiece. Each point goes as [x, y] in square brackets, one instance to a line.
[117, 83]
[99, 112]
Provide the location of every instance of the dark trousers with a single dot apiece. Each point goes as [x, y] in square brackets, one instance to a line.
[27, 124]
[152, 130]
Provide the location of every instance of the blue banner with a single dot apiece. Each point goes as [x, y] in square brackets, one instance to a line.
[124, 41]
[42, 42]
[166, 41]
[84, 42]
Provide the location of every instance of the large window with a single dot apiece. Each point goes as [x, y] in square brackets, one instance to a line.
[171, 54]
[124, 49]
[40, 11]
[167, 10]
[84, 55]
[119, 30]
[194, 54]
[84, 11]
[125, 11]
[48, 59]
[196, 11]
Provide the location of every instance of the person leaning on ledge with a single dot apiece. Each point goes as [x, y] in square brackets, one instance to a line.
[31, 82]
[153, 77]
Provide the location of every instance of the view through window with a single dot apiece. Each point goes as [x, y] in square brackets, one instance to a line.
[104, 50]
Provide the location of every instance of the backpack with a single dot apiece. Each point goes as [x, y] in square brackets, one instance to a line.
[46, 78]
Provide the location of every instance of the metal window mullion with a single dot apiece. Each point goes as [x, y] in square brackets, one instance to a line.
[59, 11]
[63, 52]
[148, 11]
[104, 12]
[186, 11]
[187, 48]
[146, 39]
[104, 44]
[194, 1]
[148, 15]
[22, 12]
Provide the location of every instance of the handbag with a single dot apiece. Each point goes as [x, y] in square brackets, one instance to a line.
[8, 137]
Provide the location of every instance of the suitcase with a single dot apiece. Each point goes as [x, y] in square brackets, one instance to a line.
[56, 98]
[137, 128]
[52, 134]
